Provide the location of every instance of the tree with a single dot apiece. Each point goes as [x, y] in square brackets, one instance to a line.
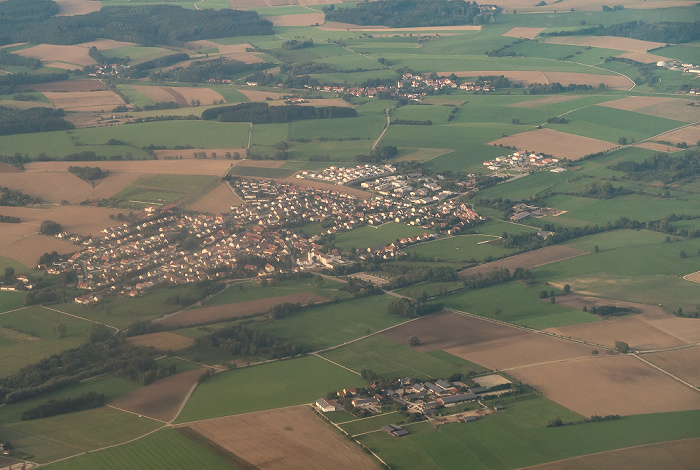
[594, 352]
[414, 341]
[496, 312]
[684, 254]
[9, 274]
[622, 347]
[567, 288]
[49, 227]
[596, 249]
[622, 141]
[98, 332]
[62, 330]
[553, 299]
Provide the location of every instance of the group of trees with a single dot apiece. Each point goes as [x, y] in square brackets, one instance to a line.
[663, 167]
[378, 154]
[148, 25]
[26, 121]
[409, 13]
[50, 227]
[242, 340]
[668, 32]
[262, 113]
[556, 87]
[85, 401]
[88, 173]
[292, 44]
[407, 308]
[201, 71]
[12, 197]
[602, 191]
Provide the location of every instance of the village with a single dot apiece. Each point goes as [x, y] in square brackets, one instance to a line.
[438, 401]
[256, 239]
[522, 160]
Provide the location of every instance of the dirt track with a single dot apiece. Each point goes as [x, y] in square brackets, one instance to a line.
[532, 259]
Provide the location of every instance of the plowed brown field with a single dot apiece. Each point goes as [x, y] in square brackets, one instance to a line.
[85, 101]
[527, 33]
[683, 363]
[77, 7]
[609, 385]
[241, 309]
[71, 54]
[162, 399]
[678, 455]
[68, 85]
[558, 144]
[180, 95]
[283, 439]
[532, 259]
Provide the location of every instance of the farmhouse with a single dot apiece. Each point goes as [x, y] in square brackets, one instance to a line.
[325, 405]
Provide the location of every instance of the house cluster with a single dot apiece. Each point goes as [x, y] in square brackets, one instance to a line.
[221, 81]
[694, 91]
[520, 159]
[413, 187]
[106, 70]
[347, 175]
[523, 211]
[20, 282]
[676, 65]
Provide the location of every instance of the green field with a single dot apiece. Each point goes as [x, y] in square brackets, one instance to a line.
[518, 437]
[30, 334]
[244, 291]
[327, 325]
[390, 360]
[518, 304]
[47, 439]
[137, 54]
[368, 236]
[61, 143]
[11, 300]
[163, 450]
[164, 189]
[274, 385]
[460, 248]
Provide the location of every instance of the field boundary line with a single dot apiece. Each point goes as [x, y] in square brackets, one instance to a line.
[335, 363]
[140, 415]
[369, 417]
[672, 348]
[15, 310]
[82, 318]
[188, 423]
[363, 337]
[184, 402]
[388, 123]
[667, 373]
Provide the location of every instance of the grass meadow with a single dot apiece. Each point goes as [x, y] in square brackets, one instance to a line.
[368, 236]
[164, 189]
[389, 360]
[274, 385]
[459, 249]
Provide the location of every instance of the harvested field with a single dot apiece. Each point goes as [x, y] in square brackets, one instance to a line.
[286, 438]
[332, 26]
[679, 455]
[51, 186]
[307, 19]
[7, 168]
[489, 344]
[77, 7]
[532, 259]
[588, 5]
[27, 250]
[607, 42]
[257, 95]
[693, 277]
[105, 44]
[689, 134]
[180, 95]
[644, 57]
[656, 147]
[85, 101]
[634, 103]
[232, 51]
[556, 143]
[544, 101]
[683, 363]
[237, 310]
[604, 386]
[617, 82]
[680, 110]
[48, 52]
[67, 86]
[162, 341]
[162, 399]
[217, 201]
[216, 167]
[61, 65]
[527, 33]
[84, 220]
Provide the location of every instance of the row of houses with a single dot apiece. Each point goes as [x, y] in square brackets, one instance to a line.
[347, 175]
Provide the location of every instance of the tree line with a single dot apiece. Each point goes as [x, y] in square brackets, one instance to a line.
[242, 340]
[409, 13]
[262, 113]
[669, 32]
[663, 167]
[148, 25]
[407, 308]
[12, 197]
[201, 71]
[27, 121]
[85, 401]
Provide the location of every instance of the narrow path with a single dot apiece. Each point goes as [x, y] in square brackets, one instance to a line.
[13, 310]
[673, 348]
[388, 121]
[116, 330]
[335, 363]
[678, 379]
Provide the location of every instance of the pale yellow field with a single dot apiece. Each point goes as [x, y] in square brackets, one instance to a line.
[85, 100]
[527, 33]
[558, 144]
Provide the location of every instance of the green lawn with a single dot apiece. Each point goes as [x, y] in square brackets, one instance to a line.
[518, 437]
[518, 304]
[45, 440]
[274, 385]
[460, 248]
[60, 143]
[390, 360]
[328, 325]
[30, 334]
[369, 236]
[11, 300]
[137, 54]
[164, 450]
